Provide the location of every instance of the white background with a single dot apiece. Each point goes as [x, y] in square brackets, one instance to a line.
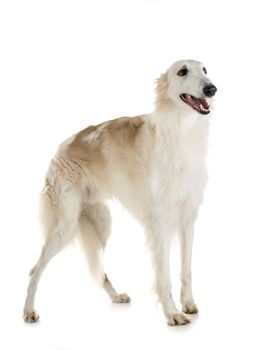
[67, 64]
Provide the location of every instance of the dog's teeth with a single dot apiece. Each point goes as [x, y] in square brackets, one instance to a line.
[202, 107]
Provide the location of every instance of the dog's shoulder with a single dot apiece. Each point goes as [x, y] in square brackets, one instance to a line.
[127, 125]
[126, 130]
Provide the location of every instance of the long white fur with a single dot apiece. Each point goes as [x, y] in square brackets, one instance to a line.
[165, 200]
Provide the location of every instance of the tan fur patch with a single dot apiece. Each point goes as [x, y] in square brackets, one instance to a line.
[116, 143]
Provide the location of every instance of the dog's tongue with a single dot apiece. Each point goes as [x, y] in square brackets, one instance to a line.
[199, 103]
[204, 103]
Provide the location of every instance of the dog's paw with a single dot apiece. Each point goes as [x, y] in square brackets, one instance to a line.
[121, 299]
[31, 317]
[178, 319]
[190, 307]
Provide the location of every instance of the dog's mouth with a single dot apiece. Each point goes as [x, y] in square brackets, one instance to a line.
[199, 104]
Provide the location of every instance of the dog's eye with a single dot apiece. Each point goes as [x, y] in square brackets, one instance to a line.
[182, 72]
[204, 69]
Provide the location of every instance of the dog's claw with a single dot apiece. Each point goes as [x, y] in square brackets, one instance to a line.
[190, 308]
[179, 319]
[31, 317]
[121, 299]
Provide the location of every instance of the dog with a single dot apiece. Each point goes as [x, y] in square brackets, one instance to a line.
[154, 165]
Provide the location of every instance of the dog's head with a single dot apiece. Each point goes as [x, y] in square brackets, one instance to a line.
[187, 85]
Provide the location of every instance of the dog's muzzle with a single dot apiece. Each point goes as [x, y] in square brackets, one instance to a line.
[200, 105]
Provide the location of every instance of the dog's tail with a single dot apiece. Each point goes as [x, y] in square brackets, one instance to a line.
[92, 247]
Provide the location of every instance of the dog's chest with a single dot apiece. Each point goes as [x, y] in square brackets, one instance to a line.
[179, 170]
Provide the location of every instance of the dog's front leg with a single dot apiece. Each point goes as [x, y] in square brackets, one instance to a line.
[159, 244]
[186, 240]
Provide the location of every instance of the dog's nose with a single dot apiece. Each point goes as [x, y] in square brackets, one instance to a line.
[209, 90]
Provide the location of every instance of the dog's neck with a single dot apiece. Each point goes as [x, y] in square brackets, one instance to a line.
[170, 118]
[180, 135]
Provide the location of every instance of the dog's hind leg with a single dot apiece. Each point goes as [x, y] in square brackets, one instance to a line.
[95, 225]
[115, 297]
[60, 224]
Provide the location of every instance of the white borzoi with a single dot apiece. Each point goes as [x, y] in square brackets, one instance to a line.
[154, 165]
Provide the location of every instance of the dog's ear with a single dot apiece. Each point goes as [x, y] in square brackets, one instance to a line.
[161, 88]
